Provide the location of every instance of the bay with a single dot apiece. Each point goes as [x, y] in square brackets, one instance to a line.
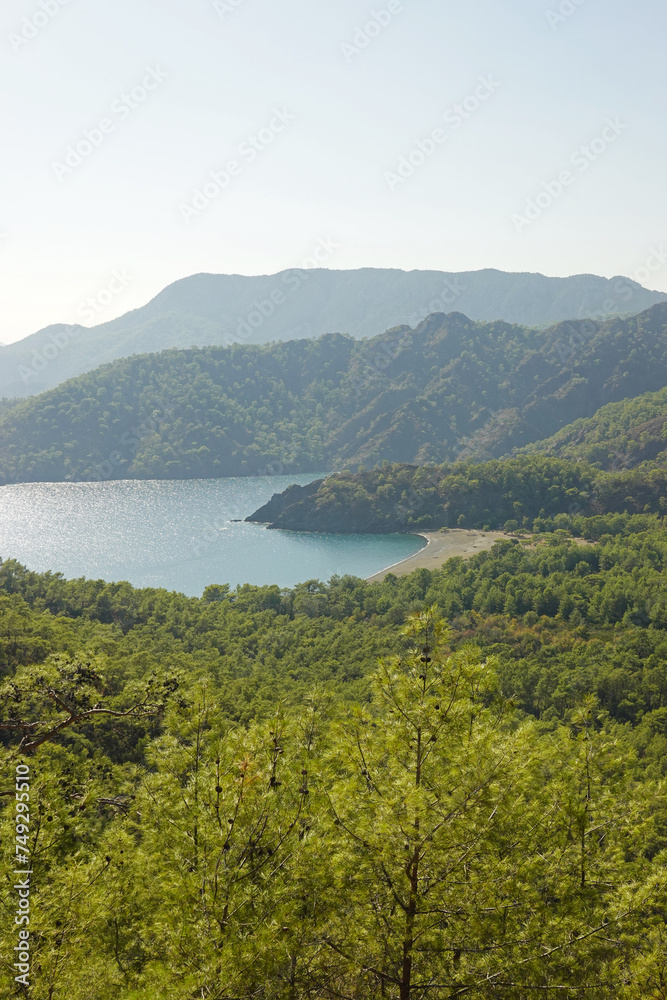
[180, 535]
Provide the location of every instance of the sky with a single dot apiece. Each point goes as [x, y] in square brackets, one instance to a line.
[146, 140]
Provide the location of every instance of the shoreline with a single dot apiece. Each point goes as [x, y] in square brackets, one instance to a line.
[441, 546]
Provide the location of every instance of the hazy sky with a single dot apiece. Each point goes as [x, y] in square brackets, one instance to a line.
[400, 133]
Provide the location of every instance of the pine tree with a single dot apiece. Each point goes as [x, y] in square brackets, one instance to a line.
[463, 845]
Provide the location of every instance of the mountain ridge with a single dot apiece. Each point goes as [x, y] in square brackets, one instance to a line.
[449, 390]
[621, 435]
[210, 309]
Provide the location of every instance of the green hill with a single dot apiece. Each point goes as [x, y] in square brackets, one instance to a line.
[620, 435]
[231, 797]
[450, 389]
[532, 492]
[7, 404]
[210, 309]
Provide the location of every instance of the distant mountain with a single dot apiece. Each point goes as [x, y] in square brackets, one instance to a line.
[216, 309]
[619, 436]
[451, 389]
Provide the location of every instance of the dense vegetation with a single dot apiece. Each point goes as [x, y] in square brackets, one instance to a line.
[327, 791]
[619, 436]
[7, 404]
[450, 389]
[209, 309]
[533, 493]
[268, 814]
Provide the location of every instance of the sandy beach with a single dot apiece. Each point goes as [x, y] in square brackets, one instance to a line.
[442, 545]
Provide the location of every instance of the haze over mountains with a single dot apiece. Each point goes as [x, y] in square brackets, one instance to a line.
[620, 436]
[210, 309]
[450, 389]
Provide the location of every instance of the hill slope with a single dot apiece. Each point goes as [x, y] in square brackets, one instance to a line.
[620, 435]
[247, 717]
[532, 492]
[220, 308]
[450, 389]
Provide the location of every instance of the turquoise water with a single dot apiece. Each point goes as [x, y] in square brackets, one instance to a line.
[179, 535]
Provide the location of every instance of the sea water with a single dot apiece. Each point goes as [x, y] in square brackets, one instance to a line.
[181, 535]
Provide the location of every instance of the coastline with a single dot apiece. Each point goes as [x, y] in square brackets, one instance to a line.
[441, 546]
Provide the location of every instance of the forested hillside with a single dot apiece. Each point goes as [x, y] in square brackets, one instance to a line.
[307, 301]
[619, 436]
[450, 389]
[529, 492]
[273, 814]
[7, 404]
